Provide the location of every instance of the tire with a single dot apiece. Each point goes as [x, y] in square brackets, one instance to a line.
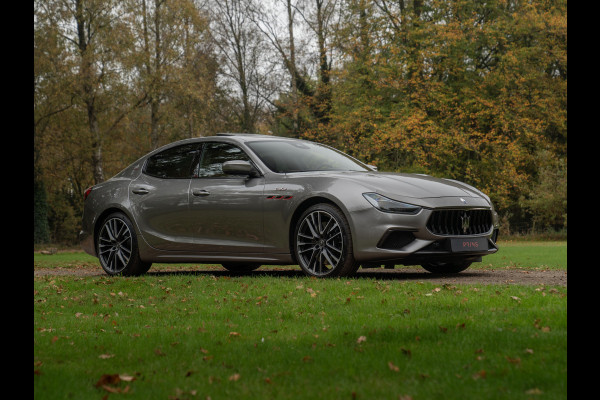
[117, 247]
[446, 268]
[240, 267]
[322, 242]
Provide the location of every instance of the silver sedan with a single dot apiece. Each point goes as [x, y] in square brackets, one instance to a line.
[245, 200]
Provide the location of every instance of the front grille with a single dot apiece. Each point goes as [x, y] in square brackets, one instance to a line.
[454, 222]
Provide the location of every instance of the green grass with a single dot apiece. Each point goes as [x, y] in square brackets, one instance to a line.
[534, 255]
[194, 335]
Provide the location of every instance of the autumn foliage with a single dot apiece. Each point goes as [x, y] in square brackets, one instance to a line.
[464, 89]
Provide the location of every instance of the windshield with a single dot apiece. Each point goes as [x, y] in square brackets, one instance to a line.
[299, 156]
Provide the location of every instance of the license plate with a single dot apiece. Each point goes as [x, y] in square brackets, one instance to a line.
[469, 244]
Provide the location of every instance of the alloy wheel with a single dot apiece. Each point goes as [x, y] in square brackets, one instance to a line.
[320, 243]
[115, 245]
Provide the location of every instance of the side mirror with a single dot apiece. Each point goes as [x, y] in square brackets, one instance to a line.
[374, 168]
[239, 167]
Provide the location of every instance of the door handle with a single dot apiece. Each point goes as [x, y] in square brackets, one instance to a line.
[141, 191]
[200, 192]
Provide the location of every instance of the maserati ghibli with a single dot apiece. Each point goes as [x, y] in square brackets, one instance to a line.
[247, 200]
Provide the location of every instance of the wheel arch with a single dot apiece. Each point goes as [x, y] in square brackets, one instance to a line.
[102, 216]
[303, 206]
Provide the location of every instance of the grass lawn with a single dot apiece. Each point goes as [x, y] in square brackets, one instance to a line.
[521, 254]
[190, 336]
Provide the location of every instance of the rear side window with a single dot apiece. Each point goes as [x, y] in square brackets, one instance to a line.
[175, 162]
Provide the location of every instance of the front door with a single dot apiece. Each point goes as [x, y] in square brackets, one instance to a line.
[226, 211]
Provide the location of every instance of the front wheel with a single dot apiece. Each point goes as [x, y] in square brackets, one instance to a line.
[446, 268]
[117, 247]
[323, 243]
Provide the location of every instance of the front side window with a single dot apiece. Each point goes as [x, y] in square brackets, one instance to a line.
[213, 157]
[175, 162]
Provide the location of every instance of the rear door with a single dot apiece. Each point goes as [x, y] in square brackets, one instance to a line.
[160, 198]
[226, 211]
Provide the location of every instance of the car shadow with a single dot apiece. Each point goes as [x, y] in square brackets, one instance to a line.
[382, 274]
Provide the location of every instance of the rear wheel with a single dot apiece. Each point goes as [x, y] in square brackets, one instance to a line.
[240, 267]
[447, 268]
[323, 243]
[117, 247]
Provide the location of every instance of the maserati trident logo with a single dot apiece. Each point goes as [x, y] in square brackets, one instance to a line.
[465, 220]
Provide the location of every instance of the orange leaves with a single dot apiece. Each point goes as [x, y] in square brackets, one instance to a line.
[111, 382]
[393, 367]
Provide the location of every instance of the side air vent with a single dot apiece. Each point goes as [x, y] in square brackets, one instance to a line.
[395, 240]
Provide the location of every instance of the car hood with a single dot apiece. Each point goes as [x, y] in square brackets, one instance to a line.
[400, 186]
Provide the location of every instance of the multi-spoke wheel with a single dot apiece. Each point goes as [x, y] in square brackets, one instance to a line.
[117, 248]
[322, 242]
[447, 268]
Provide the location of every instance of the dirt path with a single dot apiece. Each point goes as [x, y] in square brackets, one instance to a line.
[515, 276]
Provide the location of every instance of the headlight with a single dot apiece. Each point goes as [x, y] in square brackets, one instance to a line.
[382, 203]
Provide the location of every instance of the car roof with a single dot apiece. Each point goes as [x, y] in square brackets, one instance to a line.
[249, 137]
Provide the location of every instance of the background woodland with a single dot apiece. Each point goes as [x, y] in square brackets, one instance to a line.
[474, 90]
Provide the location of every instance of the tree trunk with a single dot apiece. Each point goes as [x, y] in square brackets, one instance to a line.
[295, 116]
[87, 78]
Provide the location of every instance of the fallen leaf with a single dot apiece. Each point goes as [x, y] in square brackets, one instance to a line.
[234, 377]
[480, 374]
[406, 352]
[529, 351]
[361, 339]
[393, 367]
[516, 360]
[108, 379]
[234, 334]
[443, 329]
[307, 358]
[126, 378]
[106, 356]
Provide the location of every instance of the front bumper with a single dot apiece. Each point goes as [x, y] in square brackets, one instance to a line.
[405, 239]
